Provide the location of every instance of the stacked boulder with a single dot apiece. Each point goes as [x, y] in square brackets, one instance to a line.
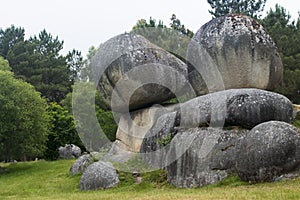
[132, 73]
[237, 126]
[257, 141]
[239, 49]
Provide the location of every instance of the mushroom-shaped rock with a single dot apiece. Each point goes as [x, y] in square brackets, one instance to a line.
[99, 175]
[234, 50]
[131, 73]
[268, 151]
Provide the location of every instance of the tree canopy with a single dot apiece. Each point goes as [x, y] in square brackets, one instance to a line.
[174, 39]
[286, 34]
[62, 131]
[38, 61]
[23, 118]
[252, 8]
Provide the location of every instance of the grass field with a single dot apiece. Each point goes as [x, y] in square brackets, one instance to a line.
[50, 180]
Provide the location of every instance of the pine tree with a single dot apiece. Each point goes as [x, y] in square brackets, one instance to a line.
[252, 8]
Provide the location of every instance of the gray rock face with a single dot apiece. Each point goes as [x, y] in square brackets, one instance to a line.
[206, 156]
[270, 150]
[81, 164]
[118, 153]
[140, 73]
[133, 128]
[286, 177]
[236, 107]
[238, 48]
[137, 131]
[149, 131]
[99, 175]
[69, 151]
[155, 143]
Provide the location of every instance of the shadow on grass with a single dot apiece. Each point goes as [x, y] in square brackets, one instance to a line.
[14, 168]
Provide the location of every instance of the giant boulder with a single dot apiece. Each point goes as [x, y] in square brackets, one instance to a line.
[236, 51]
[132, 73]
[270, 150]
[140, 131]
[202, 156]
[236, 107]
[148, 130]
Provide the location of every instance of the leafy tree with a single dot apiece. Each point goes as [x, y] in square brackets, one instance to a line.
[91, 53]
[252, 8]
[174, 39]
[46, 45]
[48, 70]
[286, 34]
[75, 63]
[88, 116]
[38, 62]
[4, 66]
[176, 25]
[9, 38]
[99, 102]
[283, 31]
[142, 23]
[62, 131]
[86, 73]
[107, 123]
[291, 85]
[23, 119]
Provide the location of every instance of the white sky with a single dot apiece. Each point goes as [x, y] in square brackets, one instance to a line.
[82, 24]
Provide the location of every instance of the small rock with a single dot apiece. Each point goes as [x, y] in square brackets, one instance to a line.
[137, 177]
[99, 175]
[286, 177]
[69, 151]
[81, 164]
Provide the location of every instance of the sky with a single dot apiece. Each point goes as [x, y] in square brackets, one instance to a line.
[82, 24]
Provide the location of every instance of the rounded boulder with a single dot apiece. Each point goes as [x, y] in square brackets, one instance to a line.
[236, 49]
[246, 108]
[269, 150]
[132, 73]
[99, 175]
